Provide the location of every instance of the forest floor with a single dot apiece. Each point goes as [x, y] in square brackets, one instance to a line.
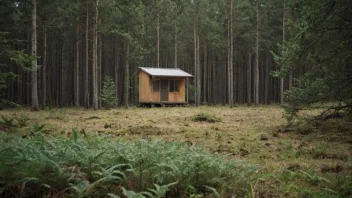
[256, 135]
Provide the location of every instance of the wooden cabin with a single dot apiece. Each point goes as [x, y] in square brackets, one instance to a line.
[162, 85]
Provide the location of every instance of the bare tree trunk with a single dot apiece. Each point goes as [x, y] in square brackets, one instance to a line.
[249, 80]
[127, 75]
[116, 67]
[158, 38]
[198, 74]
[76, 71]
[283, 43]
[86, 87]
[228, 62]
[205, 77]
[256, 71]
[100, 52]
[175, 38]
[267, 76]
[95, 57]
[195, 58]
[231, 59]
[44, 68]
[35, 103]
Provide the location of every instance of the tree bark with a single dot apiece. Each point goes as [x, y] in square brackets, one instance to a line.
[99, 64]
[283, 43]
[127, 75]
[198, 74]
[205, 70]
[116, 70]
[175, 37]
[249, 80]
[44, 68]
[256, 71]
[86, 85]
[267, 76]
[231, 59]
[35, 103]
[195, 58]
[95, 57]
[158, 37]
[76, 71]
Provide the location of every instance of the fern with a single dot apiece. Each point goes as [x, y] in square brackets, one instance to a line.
[7, 121]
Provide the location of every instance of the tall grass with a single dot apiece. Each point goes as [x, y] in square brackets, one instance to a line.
[39, 166]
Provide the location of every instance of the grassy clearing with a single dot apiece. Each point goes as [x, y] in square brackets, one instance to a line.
[312, 159]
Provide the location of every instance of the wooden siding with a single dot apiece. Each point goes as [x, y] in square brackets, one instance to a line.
[147, 96]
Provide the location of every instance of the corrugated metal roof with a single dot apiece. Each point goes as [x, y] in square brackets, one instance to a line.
[165, 72]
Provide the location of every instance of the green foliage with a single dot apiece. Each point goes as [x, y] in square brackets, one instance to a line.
[57, 114]
[37, 129]
[9, 57]
[205, 117]
[7, 121]
[37, 166]
[191, 92]
[108, 95]
[22, 120]
[298, 184]
[320, 46]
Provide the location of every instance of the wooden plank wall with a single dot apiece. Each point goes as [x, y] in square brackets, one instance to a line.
[145, 89]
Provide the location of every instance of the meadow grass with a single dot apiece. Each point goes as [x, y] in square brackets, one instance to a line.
[312, 159]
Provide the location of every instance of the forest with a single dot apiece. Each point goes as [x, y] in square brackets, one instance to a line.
[269, 110]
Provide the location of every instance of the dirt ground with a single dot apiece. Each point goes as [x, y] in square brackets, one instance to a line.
[254, 134]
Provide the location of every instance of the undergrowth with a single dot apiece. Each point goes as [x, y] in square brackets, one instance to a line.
[205, 117]
[39, 166]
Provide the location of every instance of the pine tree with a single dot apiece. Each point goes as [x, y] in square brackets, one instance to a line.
[108, 97]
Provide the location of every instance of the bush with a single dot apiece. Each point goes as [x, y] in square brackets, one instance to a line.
[22, 120]
[205, 117]
[37, 166]
[108, 96]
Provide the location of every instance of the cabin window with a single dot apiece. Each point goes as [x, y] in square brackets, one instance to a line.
[156, 85]
[174, 85]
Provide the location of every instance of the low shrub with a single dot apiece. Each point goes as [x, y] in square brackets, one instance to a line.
[205, 117]
[22, 120]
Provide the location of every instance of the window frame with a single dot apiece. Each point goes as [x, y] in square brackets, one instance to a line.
[154, 81]
[176, 89]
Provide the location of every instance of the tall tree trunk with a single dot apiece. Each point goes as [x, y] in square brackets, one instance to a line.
[158, 37]
[205, 70]
[228, 62]
[283, 43]
[231, 59]
[256, 71]
[198, 74]
[175, 38]
[95, 57]
[76, 71]
[100, 52]
[195, 58]
[35, 103]
[127, 75]
[249, 80]
[267, 76]
[44, 68]
[116, 69]
[86, 85]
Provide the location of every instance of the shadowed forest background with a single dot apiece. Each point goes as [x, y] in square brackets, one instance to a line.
[238, 51]
[195, 36]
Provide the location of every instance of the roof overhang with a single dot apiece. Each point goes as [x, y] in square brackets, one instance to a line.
[165, 72]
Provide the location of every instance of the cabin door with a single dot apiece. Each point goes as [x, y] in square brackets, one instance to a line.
[164, 93]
